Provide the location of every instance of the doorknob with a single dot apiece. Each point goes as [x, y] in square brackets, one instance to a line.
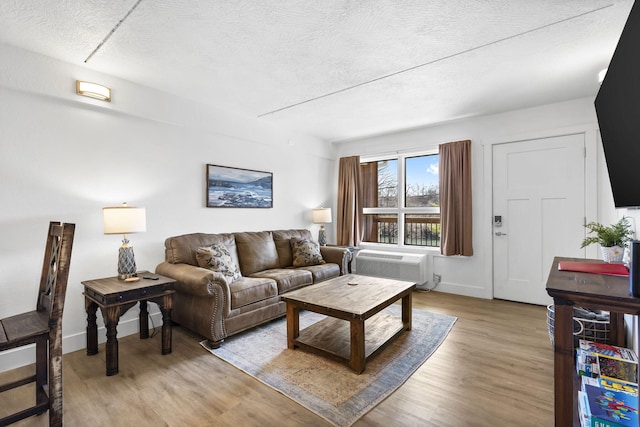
[500, 233]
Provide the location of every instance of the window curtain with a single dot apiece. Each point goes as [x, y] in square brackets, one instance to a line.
[455, 198]
[350, 215]
[369, 181]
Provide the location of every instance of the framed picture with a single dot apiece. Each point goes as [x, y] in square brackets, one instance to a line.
[229, 187]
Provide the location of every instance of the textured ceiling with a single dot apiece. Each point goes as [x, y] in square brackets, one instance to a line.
[335, 69]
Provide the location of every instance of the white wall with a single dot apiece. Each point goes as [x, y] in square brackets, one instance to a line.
[472, 276]
[64, 157]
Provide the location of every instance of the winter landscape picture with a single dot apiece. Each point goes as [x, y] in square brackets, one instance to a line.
[229, 187]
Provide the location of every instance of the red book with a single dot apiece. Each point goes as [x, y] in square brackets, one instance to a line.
[594, 267]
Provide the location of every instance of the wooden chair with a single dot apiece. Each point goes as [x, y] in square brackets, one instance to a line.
[41, 327]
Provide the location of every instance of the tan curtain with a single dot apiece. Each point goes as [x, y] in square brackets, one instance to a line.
[349, 202]
[455, 198]
[369, 186]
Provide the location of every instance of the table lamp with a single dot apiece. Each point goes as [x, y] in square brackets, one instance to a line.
[125, 220]
[321, 216]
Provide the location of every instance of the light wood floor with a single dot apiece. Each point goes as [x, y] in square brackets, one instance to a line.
[494, 369]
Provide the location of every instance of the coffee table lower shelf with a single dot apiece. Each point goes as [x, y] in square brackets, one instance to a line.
[331, 337]
[350, 303]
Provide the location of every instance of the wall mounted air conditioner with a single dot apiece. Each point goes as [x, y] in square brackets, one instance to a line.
[392, 265]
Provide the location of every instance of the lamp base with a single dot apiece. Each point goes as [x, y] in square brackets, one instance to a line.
[322, 236]
[126, 261]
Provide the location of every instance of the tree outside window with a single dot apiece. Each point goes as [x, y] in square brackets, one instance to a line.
[416, 210]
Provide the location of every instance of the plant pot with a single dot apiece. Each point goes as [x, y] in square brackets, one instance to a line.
[612, 254]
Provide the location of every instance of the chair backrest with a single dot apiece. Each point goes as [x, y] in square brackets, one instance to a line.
[55, 271]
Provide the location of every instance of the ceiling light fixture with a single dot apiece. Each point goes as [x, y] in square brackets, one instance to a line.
[93, 90]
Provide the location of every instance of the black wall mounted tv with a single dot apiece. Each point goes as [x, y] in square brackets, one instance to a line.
[618, 109]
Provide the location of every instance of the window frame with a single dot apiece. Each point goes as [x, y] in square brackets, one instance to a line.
[401, 210]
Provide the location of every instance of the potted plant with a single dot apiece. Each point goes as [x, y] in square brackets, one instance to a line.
[612, 239]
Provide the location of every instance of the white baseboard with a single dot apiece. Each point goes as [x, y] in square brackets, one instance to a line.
[22, 356]
[465, 290]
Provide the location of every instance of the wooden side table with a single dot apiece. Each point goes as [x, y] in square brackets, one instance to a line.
[594, 291]
[115, 297]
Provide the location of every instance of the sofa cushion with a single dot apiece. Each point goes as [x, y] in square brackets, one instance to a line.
[217, 258]
[256, 251]
[322, 272]
[182, 249]
[287, 279]
[283, 244]
[305, 252]
[249, 290]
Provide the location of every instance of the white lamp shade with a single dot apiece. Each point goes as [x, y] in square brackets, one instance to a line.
[321, 216]
[124, 220]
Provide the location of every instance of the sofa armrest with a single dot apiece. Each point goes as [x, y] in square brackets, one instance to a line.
[203, 289]
[194, 280]
[337, 255]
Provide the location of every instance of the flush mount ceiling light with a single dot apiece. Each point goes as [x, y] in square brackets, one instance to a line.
[93, 90]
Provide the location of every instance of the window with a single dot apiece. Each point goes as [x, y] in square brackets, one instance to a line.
[415, 211]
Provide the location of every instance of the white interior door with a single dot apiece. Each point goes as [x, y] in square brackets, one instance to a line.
[538, 212]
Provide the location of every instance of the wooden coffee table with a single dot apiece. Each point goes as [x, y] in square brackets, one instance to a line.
[355, 303]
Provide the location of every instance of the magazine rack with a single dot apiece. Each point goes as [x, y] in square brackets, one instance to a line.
[594, 291]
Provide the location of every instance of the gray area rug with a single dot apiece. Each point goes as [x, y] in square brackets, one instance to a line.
[328, 388]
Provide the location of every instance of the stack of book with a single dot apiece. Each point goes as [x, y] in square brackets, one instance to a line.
[609, 392]
[594, 359]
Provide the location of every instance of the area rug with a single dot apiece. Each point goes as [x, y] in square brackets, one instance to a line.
[326, 387]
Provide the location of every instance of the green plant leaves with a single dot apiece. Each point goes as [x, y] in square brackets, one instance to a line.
[618, 234]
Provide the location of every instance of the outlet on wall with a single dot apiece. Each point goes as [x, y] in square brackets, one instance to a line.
[436, 278]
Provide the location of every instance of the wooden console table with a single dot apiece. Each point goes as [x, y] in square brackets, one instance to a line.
[594, 291]
[114, 297]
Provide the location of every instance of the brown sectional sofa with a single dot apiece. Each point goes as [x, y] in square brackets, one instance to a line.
[206, 303]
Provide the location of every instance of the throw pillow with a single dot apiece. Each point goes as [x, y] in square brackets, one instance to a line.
[305, 252]
[218, 258]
